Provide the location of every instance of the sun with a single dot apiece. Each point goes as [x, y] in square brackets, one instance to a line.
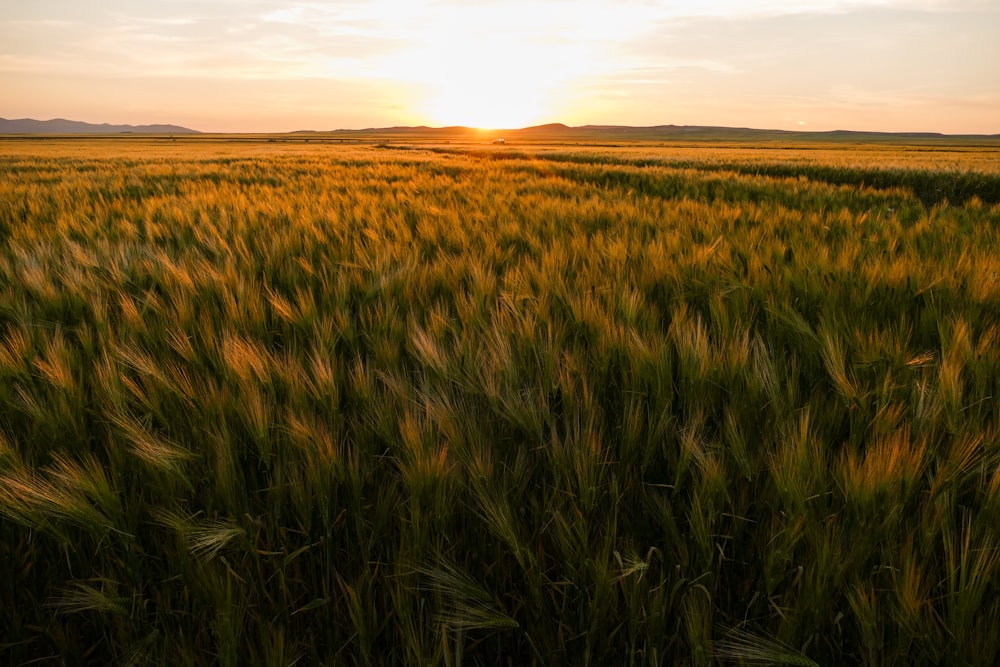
[494, 68]
[488, 80]
[499, 103]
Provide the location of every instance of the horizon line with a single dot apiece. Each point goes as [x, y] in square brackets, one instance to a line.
[554, 126]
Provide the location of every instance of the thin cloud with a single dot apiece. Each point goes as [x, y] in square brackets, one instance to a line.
[647, 61]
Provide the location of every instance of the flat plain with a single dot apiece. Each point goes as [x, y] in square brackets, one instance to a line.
[266, 400]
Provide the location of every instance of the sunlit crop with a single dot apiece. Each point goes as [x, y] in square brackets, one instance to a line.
[345, 404]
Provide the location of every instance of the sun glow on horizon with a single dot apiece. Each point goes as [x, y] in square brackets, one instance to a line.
[505, 67]
[488, 106]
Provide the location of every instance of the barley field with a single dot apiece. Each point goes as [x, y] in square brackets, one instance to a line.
[275, 403]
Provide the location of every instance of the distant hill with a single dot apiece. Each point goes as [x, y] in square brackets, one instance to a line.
[741, 133]
[611, 133]
[422, 130]
[63, 126]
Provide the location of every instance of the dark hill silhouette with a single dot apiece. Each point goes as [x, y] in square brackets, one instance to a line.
[669, 133]
[557, 132]
[63, 126]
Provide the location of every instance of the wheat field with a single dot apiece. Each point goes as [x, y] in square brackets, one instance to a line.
[286, 403]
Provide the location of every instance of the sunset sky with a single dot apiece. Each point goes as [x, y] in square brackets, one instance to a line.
[267, 66]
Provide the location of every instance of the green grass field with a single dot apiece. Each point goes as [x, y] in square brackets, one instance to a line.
[392, 403]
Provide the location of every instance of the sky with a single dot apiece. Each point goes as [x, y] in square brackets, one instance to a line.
[268, 66]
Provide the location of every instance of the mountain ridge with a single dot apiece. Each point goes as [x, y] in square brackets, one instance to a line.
[659, 132]
[561, 131]
[64, 126]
